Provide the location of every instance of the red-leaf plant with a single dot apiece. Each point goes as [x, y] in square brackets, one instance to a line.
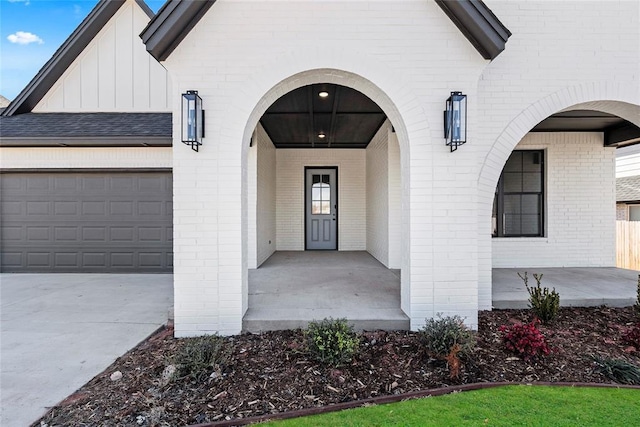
[525, 339]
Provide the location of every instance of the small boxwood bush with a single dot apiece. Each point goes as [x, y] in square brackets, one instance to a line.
[331, 341]
[199, 357]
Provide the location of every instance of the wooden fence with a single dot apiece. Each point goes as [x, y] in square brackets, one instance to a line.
[628, 244]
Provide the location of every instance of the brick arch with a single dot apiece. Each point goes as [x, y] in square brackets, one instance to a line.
[603, 97]
[379, 82]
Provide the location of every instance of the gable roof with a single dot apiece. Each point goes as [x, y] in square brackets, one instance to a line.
[72, 47]
[177, 18]
[86, 129]
[628, 189]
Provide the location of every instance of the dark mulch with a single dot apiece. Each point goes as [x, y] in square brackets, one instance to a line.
[269, 373]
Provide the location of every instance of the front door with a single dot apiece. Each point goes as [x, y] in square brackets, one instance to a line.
[321, 203]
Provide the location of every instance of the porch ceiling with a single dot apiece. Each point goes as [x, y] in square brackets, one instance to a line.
[346, 118]
[617, 131]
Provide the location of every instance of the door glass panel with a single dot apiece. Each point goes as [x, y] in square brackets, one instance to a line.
[320, 195]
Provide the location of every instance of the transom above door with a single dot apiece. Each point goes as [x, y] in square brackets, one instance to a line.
[321, 208]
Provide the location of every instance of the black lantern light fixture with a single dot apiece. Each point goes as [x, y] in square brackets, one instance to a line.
[455, 120]
[192, 119]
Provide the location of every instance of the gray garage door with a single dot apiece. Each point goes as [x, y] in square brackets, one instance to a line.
[86, 222]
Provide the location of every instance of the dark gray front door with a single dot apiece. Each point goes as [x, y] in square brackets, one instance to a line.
[321, 209]
[86, 222]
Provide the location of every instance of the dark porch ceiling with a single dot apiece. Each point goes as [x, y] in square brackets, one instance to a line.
[617, 131]
[346, 118]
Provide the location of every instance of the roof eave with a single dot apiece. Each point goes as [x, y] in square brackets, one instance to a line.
[171, 25]
[478, 24]
[87, 141]
[73, 46]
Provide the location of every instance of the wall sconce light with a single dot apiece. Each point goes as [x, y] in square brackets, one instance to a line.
[455, 120]
[192, 119]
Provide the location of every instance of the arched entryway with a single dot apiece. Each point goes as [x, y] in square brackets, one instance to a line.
[552, 200]
[315, 252]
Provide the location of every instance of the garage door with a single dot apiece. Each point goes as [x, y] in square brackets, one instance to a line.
[86, 222]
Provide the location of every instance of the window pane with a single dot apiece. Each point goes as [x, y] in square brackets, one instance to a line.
[512, 204]
[315, 179]
[494, 217]
[531, 161]
[316, 193]
[326, 193]
[634, 213]
[530, 204]
[325, 179]
[511, 224]
[530, 224]
[316, 208]
[326, 208]
[514, 163]
[512, 182]
[532, 182]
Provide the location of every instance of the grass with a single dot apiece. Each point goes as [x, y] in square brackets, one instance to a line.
[518, 405]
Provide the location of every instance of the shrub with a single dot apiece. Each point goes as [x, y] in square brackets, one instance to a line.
[447, 338]
[525, 340]
[636, 306]
[198, 357]
[331, 342]
[544, 303]
[619, 370]
[632, 336]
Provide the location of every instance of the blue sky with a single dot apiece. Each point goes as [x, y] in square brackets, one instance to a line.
[32, 30]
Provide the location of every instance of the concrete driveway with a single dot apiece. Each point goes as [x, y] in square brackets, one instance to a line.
[60, 330]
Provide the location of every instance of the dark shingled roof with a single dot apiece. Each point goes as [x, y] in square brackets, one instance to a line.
[39, 128]
[628, 189]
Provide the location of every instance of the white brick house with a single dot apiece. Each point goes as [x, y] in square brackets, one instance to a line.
[552, 87]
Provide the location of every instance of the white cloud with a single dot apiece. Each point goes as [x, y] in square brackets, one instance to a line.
[26, 2]
[23, 37]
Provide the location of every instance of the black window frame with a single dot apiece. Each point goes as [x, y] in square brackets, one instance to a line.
[498, 202]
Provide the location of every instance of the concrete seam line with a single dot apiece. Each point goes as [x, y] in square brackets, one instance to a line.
[397, 398]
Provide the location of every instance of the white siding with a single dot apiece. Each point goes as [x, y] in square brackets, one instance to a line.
[266, 197]
[113, 73]
[351, 196]
[84, 158]
[378, 195]
[628, 161]
[580, 206]
[395, 202]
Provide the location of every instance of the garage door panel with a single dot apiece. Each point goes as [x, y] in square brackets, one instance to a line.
[92, 222]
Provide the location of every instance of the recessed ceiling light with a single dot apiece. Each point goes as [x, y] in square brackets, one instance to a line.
[323, 94]
[321, 135]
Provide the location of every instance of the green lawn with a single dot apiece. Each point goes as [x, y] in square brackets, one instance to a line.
[502, 406]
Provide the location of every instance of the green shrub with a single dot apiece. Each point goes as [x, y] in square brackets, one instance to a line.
[447, 338]
[331, 342]
[544, 303]
[619, 370]
[199, 357]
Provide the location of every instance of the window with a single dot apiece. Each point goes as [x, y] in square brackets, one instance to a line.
[634, 212]
[518, 205]
[320, 195]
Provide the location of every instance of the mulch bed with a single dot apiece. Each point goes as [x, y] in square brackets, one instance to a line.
[270, 373]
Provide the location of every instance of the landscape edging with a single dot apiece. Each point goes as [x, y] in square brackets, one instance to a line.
[379, 400]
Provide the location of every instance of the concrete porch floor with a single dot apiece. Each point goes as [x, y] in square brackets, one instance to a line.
[578, 287]
[292, 288]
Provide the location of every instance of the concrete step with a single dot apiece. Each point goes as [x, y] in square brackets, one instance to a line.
[260, 320]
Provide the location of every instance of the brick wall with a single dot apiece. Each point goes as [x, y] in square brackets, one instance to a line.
[351, 196]
[580, 206]
[407, 57]
[378, 195]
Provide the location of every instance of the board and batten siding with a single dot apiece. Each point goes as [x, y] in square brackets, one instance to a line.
[114, 73]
